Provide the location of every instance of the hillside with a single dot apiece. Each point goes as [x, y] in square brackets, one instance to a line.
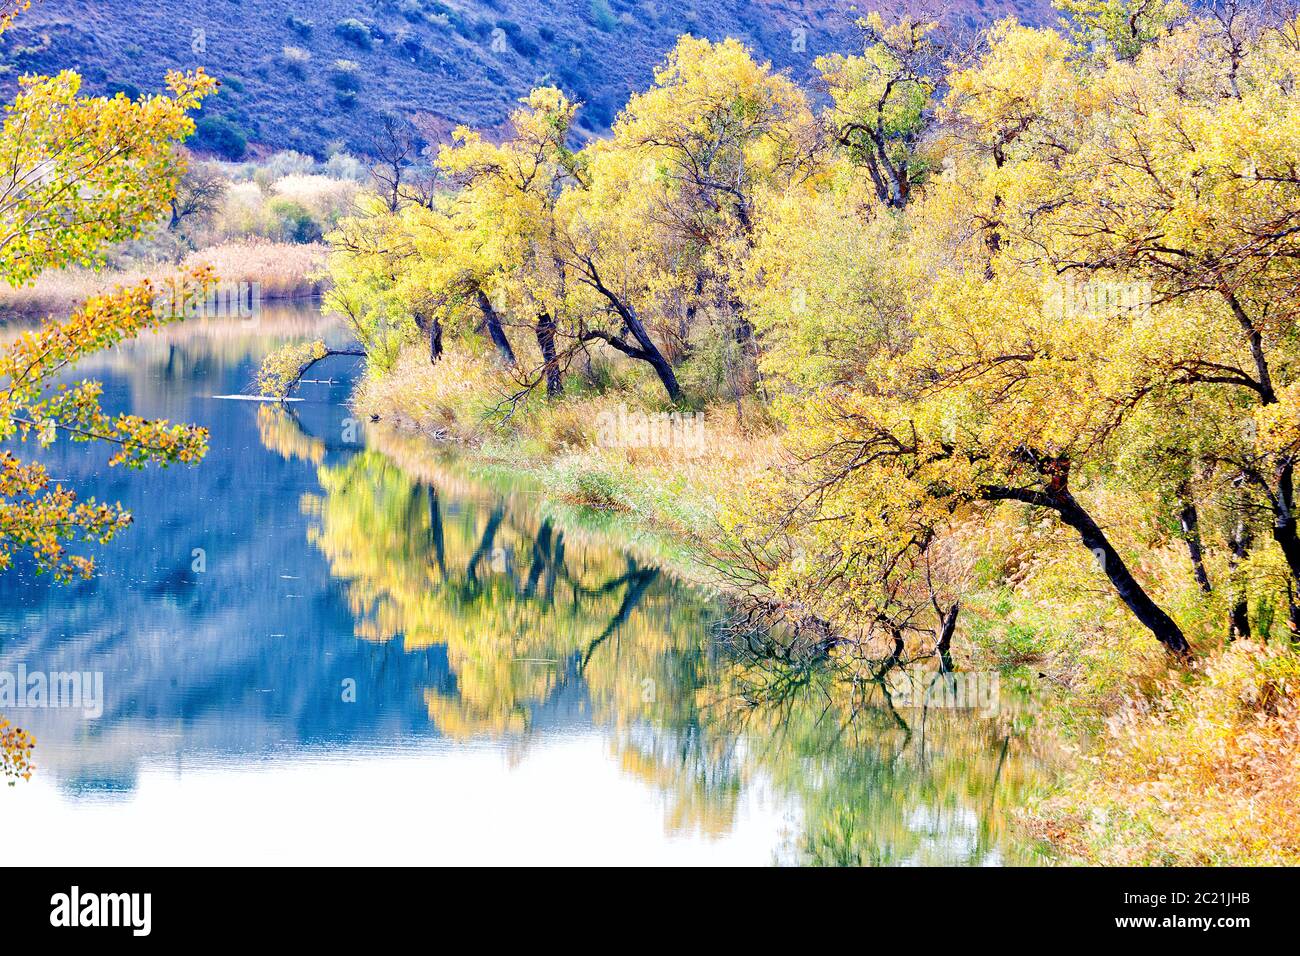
[309, 75]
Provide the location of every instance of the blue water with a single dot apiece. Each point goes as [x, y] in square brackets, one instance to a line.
[331, 644]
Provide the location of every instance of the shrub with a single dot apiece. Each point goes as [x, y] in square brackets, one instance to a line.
[341, 165]
[295, 60]
[355, 32]
[299, 26]
[409, 42]
[524, 45]
[327, 198]
[346, 76]
[215, 134]
[293, 221]
[129, 90]
[602, 16]
[288, 162]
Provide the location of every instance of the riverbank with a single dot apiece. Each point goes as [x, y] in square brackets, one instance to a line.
[623, 452]
[1174, 766]
[278, 271]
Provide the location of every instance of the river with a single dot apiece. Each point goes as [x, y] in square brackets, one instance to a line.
[330, 645]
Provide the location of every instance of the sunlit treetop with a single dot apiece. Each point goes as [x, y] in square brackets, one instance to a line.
[79, 173]
[1121, 27]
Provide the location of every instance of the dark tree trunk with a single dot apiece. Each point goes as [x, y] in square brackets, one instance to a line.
[666, 375]
[1238, 612]
[435, 340]
[541, 558]
[645, 348]
[1057, 497]
[430, 328]
[948, 626]
[1284, 533]
[485, 545]
[1130, 591]
[492, 326]
[551, 362]
[1293, 620]
[1191, 525]
[435, 531]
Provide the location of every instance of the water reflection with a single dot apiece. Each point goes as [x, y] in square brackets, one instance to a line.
[367, 604]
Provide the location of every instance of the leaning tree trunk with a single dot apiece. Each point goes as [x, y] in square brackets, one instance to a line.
[1130, 591]
[492, 326]
[645, 348]
[1057, 497]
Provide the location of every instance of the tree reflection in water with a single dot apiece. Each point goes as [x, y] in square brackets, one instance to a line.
[544, 618]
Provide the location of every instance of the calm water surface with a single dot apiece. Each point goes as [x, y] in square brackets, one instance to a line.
[324, 645]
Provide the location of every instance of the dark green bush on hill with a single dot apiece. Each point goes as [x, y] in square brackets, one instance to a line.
[355, 32]
[213, 134]
[130, 90]
[346, 76]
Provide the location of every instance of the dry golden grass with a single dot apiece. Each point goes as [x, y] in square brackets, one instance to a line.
[282, 270]
[59, 292]
[1206, 771]
[451, 398]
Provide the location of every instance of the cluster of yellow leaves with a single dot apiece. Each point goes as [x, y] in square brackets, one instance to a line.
[76, 174]
[16, 746]
[635, 241]
[81, 172]
[282, 368]
[1097, 277]
[10, 9]
[33, 516]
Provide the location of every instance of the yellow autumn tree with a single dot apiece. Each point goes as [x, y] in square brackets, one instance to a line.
[80, 173]
[1110, 240]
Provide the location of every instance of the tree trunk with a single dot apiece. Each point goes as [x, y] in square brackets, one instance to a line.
[435, 341]
[1238, 612]
[1057, 498]
[947, 628]
[551, 363]
[435, 531]
[430, 328]
[1293, 620]
[1130, 591]
[492, 325]
[645, 348]
[650, 352]
[1191, 525]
